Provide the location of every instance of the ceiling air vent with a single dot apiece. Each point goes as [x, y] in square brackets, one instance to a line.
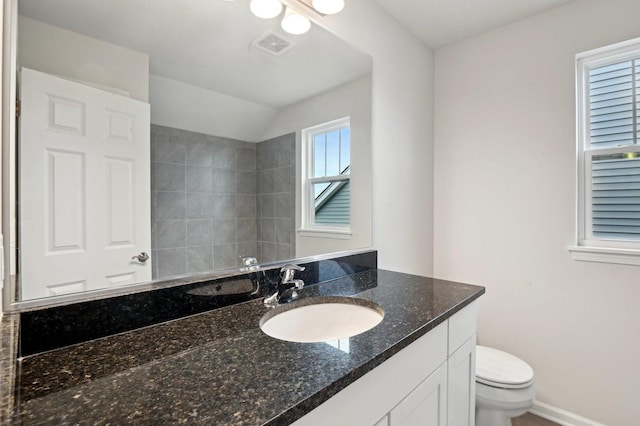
[273, 43]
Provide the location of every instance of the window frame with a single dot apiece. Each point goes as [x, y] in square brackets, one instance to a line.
[308, 225]
[587, 246]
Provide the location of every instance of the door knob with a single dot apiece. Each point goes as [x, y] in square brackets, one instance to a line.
[141, 257]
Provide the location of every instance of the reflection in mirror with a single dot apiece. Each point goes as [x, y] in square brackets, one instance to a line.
[172, 130]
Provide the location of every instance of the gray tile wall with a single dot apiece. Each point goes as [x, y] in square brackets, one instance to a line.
[203, 195]
[276, 198]
[214, 199]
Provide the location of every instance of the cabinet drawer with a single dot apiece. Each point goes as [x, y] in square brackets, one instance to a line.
[462, 326]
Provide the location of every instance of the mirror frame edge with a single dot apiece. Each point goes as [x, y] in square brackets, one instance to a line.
[9, 87]
[106, 293]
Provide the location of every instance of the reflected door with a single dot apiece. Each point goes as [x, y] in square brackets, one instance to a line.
[84, 196]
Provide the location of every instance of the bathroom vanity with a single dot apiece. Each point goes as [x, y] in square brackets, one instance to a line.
[430, 382]
[218, 367]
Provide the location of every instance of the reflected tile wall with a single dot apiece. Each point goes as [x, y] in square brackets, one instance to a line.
[276, 173]
[203, 201]
[214, 199]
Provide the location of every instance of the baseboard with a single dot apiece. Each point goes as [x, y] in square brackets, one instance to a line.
[560, 416]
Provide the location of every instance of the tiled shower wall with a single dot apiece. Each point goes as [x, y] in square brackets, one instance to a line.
[204, 196]
[276, 198]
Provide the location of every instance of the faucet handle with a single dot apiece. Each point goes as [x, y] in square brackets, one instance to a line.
[291, 266]
[298, 284]
[288, 271]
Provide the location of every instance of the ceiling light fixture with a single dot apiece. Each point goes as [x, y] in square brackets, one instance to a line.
[294, 23]
[328, 7]
[265, 9]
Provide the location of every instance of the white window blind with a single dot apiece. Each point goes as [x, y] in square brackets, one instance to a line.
[615, 176]
[616, 197]
[613, 105]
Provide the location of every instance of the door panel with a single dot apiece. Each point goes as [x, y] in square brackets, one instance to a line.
[84, 192]
[65, 228]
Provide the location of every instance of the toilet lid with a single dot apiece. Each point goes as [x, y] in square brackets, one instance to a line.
[500, 369]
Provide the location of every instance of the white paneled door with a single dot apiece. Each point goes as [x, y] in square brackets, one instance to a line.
[84, 187]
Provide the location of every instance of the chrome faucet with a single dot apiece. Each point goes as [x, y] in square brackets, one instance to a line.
[250, 263]
[286, 287]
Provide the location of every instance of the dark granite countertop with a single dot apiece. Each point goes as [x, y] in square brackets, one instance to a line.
[218, 367]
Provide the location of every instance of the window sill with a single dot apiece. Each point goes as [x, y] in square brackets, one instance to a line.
[326, 233]
[605, 255]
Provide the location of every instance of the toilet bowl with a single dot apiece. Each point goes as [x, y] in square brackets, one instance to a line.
[504, 387]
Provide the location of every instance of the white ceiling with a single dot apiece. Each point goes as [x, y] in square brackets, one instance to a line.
[441, 22]
[207, 43]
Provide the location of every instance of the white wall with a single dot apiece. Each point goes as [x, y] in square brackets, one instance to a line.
[353, 100]
[182, 106]
[505, 207]
[402, 142]
[60, 52]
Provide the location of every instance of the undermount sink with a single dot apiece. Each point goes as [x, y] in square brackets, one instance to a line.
[319, 319]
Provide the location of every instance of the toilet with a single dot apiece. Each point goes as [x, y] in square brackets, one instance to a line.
[504, 387]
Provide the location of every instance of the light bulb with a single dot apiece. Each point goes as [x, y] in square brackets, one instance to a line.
[328, 7]
[265, 9]
[294, 23]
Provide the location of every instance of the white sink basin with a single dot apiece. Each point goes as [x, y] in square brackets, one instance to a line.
[318, 319]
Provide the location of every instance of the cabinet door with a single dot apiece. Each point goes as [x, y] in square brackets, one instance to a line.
[426, 405]
[462, 385]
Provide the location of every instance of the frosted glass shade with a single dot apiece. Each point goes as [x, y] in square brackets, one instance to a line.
[294, 23]
[265, 9]
[328, 7]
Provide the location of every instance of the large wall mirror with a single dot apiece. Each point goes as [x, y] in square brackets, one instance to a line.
[173, 130]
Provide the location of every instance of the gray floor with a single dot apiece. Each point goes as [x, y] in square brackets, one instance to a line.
[531, 420]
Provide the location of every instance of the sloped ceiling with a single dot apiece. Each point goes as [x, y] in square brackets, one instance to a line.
[441, 22]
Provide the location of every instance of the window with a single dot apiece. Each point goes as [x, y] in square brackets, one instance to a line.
[326, 177]
[608, 89]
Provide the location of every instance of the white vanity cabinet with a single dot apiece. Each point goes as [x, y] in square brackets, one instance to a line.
[426, 404]
[461, 368]
[430, 382]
